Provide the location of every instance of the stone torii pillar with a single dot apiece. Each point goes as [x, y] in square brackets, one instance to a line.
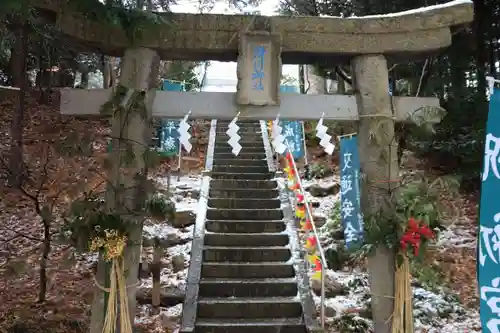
[125, 190]
[379, 167]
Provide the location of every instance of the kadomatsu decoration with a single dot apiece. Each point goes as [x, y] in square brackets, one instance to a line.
[414, 237]
[408, 222]
[112, 246]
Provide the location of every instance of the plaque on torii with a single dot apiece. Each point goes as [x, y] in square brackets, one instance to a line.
[259, 69]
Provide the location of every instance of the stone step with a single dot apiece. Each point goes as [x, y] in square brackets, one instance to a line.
[244, 129]
[244, 203]
[240, 122]
[241, 184]
[244, 214]
[246, 254]
[248, 288]
[242, 155]
[244, 193]
[240, 162]
[244, 136]
[246, 239]
[243, 143]
[242, 176]
[227, 149]
[245, 226]
[246, 307]
[257, 270]
[240, 168]
[259, 325]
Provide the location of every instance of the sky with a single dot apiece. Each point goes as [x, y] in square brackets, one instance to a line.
[227, 70]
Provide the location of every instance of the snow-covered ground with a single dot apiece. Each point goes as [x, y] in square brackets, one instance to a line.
[175, 262]
[348, 298]
[435, 311]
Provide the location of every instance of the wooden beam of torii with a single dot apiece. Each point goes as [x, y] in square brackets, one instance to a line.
[221, 105]
[201, 37]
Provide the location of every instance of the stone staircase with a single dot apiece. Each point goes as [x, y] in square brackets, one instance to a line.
[247, 281]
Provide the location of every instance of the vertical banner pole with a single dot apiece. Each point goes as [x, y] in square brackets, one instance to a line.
[179, 162]
[306, 162]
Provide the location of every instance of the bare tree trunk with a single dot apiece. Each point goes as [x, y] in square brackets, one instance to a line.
[42, 293]
[84, 82]
[19, 80]
[156, 273]
[340, 85]
[112, 71]
[302, 82]
[106, 72]
[314, 83]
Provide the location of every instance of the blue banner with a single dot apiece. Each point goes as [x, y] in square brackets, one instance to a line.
[488, 270]
[169, 144]
[284, 88]
[293, 130]
[172, 86]
[350, 203]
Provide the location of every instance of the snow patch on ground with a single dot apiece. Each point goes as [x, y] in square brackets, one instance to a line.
[326, 203]
[435, 311]
[457, 235]
[185, 191]
[158, 321]
[165, 230]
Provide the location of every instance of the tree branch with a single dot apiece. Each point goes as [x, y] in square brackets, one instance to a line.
[18, 234]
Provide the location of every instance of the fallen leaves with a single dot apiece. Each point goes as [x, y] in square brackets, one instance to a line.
[55, 181]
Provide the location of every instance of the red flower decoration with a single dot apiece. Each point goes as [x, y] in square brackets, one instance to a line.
[426, 232]
[317, 265]
[414, 235]
[300, 197]
[412, 224]
[307, 225]
[311, 241]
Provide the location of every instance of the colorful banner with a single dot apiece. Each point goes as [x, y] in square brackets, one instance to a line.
[293, 131]
[350, 203]
[311, 242]
[488, 270]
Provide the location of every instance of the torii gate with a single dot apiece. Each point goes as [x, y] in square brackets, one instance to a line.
[365, 42]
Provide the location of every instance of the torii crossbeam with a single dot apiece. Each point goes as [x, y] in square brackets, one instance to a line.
[220, 105]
